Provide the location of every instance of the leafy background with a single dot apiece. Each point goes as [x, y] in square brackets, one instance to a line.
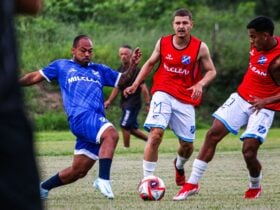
[111, 23]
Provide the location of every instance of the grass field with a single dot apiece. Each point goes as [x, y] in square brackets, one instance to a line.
[222, 186]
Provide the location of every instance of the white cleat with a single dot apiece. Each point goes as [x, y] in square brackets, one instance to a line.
[43, 193]
[105, 187]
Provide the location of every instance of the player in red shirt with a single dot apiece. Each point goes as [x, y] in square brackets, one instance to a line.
[254, 104]
[177, 88]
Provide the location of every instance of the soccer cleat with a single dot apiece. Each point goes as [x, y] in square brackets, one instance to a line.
[180, 175]
[104, 186]
[187, 190]
[253, 193]
[43, 193]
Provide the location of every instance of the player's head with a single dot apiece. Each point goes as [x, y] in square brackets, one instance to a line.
[260, 32]
[125, 53]
[182, 22]
[82, 49]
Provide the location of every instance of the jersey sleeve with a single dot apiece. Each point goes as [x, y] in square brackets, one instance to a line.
[110, 77]
[50, 72]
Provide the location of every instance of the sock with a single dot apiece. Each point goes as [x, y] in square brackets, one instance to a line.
[52, 182]
[105, 168]
[180, 162]
[255, 182]
[198, 169]
[149, 168]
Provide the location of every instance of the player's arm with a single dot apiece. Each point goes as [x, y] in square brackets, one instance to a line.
[145, 70]
[259, 103]
[130, 72]
[111, 98]
[204, 58]
[274, 70]
[31, 7]
[146, 95]
[31, 78]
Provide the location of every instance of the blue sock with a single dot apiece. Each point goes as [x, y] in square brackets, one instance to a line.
[52, 182]
[104, 168]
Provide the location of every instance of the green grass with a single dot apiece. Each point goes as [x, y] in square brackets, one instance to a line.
[222, 186]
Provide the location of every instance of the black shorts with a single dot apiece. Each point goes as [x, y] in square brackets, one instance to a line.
[129, 118]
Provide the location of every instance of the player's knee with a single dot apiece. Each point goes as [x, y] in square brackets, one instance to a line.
[213, 135]
[80, 173]
[248, 154]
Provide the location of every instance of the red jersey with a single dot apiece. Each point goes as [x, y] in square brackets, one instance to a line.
[257, 80]
[178, 70]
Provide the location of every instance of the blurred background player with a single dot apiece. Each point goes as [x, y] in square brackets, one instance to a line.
[177, 88]
[254, 105]
[130, 105]
[81, 83]
[19, 178]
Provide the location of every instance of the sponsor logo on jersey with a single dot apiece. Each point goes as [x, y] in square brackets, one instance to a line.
[257, 71]
[186, 59]
[85, 79]
[169, 57]
[176, 70]
[262, 60]
[72, 70]
[96, 73]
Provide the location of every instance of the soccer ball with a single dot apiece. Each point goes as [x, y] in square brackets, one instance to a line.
[151, 188]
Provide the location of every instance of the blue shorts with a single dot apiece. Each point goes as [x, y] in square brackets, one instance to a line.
[88, 128]
[129, 118]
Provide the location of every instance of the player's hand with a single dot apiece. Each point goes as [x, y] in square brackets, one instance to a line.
[129, 90]
[136, 56]
[197, 90]
[106, 104]
[257, 103]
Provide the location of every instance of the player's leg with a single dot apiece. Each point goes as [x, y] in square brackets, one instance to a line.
[250, 151]
[182, 123]
[206, 153]
[254, 135]
[222, 125]
[108, 143]
[126, 137]
[139, 134]
[156, 122]
[80, 166]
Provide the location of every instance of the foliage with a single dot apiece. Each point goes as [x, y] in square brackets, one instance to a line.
[112, 23]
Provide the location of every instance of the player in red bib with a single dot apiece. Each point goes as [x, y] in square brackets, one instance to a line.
[177, 88]
[254, 104]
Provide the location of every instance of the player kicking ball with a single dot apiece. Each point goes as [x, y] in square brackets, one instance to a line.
[81, 83]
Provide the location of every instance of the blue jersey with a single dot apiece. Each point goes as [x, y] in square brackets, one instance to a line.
[81, 86]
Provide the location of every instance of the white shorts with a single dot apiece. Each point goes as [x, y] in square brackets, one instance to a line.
[166, 110]
[236, 112]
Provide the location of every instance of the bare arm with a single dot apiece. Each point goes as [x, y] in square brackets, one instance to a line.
[111, 98]
[145, 70]
[274, 70]
[130, 73]
[259, 103]
[146, 95]
[30, 7]
[31, 78]
[205, 60]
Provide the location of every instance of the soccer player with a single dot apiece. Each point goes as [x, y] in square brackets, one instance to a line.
[81, 83]
[254, 104]
[177, 88]
[130, 105]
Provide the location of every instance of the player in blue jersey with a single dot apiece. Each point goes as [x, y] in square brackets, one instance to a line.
[81, 83]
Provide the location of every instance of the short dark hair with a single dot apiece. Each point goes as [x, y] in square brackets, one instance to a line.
[78, 38]
[262, 24]
[182, 12]
[126, 46]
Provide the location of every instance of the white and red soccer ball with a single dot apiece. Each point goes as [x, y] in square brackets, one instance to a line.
[151, 188]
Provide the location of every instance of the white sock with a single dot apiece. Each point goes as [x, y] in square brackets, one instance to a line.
[255, 182]
[198, 169]
[180, 162]
[149, 168]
